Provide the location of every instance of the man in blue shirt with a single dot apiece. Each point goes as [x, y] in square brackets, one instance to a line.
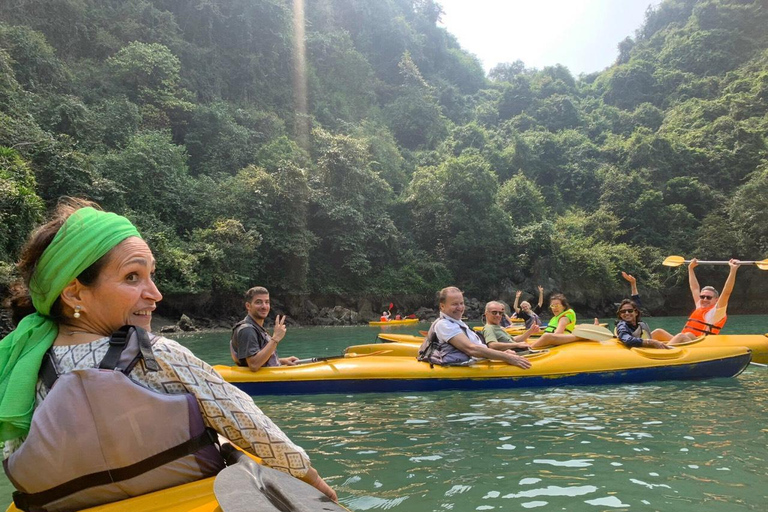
[451, 341]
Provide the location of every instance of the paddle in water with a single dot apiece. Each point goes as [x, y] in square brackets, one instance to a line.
[676, 261]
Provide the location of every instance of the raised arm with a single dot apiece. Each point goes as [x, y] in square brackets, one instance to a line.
[541, 296]
[632, 282]
[516, 306]
[692, 281]
[722, 302]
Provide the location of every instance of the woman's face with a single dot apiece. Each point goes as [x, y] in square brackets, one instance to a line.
[628, 313]
[556, 306]
[525, 306]
[125, 291]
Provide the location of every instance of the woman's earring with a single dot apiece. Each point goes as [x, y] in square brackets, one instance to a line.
[77, 311]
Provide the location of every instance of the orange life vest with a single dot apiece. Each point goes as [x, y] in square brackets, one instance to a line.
[698, 325]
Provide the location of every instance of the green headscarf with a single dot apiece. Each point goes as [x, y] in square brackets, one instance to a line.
[86, 236]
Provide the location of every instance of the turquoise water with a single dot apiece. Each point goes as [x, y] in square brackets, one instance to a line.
[687, 446]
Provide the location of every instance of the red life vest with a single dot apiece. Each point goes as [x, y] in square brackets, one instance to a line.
[698, 325]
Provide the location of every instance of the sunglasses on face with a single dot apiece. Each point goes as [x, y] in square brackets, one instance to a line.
[495, 312]
[706, 297]
[622, 311]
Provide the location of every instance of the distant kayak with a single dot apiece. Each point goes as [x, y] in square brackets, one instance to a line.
[407, 321]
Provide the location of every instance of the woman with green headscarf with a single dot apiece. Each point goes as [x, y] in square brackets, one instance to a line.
[88, 273]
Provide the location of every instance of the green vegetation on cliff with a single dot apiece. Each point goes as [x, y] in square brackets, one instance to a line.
[419, 172]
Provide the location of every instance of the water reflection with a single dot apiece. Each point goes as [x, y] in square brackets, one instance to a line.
[672, 446]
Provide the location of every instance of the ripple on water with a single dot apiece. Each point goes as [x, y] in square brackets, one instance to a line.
[465, 450]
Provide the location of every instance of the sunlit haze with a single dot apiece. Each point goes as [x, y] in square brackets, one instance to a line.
[582, 35]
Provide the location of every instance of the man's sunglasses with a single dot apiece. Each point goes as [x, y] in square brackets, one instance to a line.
[622, 311]
[706, 297]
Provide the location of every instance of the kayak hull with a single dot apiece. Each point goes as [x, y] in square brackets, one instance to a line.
[192, 497]
[407, 321]
[575, 364]
[757, 343]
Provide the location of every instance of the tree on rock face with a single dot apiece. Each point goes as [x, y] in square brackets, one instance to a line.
[347, 215]
[149, 75]
[415, 117]
[151, 174]
[20, 207]
[629, 85]
[34, 61]
[523, 201]
[456, 219]
[747, 210]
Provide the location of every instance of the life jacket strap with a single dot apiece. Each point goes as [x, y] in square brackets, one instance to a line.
[49, 373]
[709, 328]
[36, 501]
[117, 343]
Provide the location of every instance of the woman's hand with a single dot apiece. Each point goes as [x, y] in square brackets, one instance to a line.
[314, 479]
[654, 344]
[628, 277]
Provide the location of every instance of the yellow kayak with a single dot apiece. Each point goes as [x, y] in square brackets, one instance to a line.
[579, 363]
[192, 497]
[399, 338]
[199, 496]
[406, 321]
[757, 343]
[392, 349]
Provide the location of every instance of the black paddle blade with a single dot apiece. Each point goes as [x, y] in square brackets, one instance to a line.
[248, 486]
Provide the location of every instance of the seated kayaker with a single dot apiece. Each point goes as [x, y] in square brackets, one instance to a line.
[385, 316]
[250, 344]
[525, 312]
[560, 327]
[630, 330]
[710, 314]
[86, 274]
[450, 341]
[495, 335]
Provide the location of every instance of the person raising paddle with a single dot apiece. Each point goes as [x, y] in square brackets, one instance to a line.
[711, 307]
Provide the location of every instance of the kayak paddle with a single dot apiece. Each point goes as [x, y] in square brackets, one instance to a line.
[342, 356]
[676, 261]
[593, 332]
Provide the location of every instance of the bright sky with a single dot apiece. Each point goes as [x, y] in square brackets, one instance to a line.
[582, 35]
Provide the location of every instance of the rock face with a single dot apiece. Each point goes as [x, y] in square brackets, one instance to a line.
[337, 315]
[6, 325]
[186, 324]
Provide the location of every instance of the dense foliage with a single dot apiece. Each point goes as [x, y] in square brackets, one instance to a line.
[420, 171]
